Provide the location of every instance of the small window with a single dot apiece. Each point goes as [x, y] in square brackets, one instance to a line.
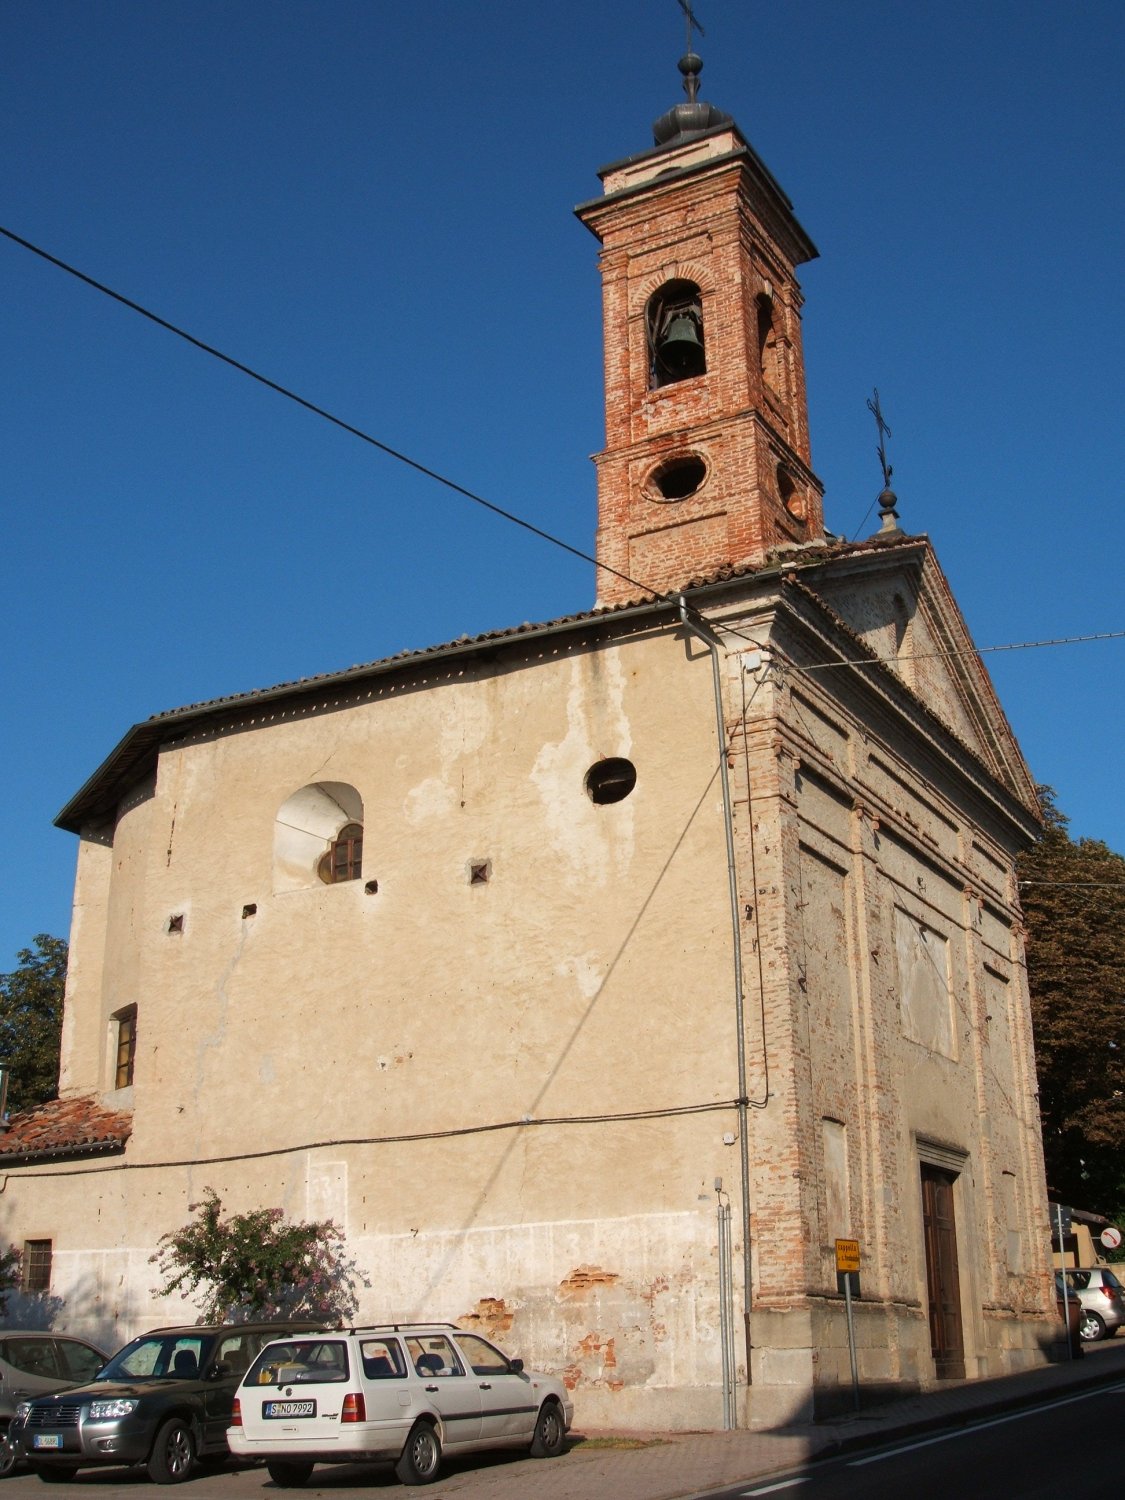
[126, 1047]
[433, 1354]
[344, 860]
[484, 1359]
[611, 780]
[36, 1270]
[382, 1359]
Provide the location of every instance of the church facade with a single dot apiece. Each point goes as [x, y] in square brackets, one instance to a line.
[596, 976]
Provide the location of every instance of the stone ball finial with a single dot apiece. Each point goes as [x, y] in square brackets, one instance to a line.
[888, 510]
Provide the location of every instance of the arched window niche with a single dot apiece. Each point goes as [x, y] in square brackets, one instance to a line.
[318, 837]
[674, 324]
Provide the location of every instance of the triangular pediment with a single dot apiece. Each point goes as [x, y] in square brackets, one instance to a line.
[895, 597]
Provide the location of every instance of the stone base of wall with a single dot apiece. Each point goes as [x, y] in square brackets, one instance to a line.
[801, 1362]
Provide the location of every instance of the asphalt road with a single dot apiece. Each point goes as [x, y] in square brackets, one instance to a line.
[1071, 1445]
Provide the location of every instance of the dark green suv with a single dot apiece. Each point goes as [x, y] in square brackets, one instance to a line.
[164, 1401]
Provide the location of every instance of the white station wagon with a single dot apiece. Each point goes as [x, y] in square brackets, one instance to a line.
[403, 1393]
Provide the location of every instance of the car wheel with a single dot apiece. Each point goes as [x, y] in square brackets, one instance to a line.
[173, 1454]
[289, 1475]
[49, 1474]
[550, 1432]
[7, 1458]
[420, 1460]
[1091, 1326]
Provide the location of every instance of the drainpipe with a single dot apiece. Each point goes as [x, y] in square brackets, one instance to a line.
[714, 645]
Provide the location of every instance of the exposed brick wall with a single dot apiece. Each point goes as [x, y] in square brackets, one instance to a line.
[745, 419]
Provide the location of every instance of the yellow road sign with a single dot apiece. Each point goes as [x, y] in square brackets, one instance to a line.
[847, 1255]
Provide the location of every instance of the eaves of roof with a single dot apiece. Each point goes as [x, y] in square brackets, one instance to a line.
[135, 754]
[63, 1128]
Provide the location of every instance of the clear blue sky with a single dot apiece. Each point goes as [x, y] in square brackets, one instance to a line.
[371, 202]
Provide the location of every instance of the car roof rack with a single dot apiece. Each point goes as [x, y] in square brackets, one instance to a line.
[403, 1328]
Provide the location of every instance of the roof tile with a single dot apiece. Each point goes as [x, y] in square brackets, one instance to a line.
[65, 1127]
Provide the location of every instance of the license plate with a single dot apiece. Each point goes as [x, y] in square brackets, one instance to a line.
[47, 1440]
[288, 1408]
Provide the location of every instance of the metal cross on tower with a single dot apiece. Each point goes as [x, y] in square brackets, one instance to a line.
[692, 23]
[691, 75]
[884, 431]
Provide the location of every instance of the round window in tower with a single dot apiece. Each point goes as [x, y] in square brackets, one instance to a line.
[676, 478]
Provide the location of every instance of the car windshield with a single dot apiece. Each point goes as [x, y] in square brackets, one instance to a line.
[168, 1356]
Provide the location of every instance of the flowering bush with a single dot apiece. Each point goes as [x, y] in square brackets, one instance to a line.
[256, 1266]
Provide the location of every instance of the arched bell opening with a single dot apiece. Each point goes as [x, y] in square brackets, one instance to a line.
[674, 324]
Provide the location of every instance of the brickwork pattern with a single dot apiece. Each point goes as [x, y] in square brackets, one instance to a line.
[746, 418]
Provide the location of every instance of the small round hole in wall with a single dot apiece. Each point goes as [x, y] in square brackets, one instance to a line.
[676, 478]
[610, 780]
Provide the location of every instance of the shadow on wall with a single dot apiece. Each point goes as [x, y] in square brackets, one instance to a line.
[85, 1311]
[35, 1311]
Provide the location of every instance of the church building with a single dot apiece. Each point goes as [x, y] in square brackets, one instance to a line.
[596, 976]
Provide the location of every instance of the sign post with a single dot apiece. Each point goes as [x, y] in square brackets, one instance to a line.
[847, 1266]
[1063, 1224]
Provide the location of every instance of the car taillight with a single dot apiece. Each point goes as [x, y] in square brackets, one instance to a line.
[1110, 1291]
[236, 1414]
[354, 1408]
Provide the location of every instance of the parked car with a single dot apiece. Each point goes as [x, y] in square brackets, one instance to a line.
[1100, 1296]
[163, 1401]
[403, 1393]
[34, 1364]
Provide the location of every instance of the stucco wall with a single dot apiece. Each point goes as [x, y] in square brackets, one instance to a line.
[446, 1067]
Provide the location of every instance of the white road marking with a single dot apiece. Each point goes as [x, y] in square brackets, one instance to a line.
[785, 1484]
[1016, 1416]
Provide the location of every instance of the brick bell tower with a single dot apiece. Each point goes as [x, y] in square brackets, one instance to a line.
[706, 464]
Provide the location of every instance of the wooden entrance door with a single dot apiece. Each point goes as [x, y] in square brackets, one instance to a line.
[943, 1287]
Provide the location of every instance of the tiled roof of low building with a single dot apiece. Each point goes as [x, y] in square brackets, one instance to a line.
[64, 1127]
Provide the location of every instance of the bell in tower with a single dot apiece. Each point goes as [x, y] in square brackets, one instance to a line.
[706, 465]
[675, 322]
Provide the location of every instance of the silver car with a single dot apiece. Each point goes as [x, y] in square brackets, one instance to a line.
[402, 1393]
[1101, 1298]
[35, 1364]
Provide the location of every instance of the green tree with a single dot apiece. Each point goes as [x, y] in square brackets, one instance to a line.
[1073, 898]
[255, 1265]
[31, 1005]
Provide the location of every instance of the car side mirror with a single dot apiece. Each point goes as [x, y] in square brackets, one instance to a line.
[218, 1371]
[517, 1366]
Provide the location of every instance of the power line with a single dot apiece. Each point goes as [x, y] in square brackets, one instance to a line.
[526, 1122]
[459, 489]
[328, 416]
[884, 661]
